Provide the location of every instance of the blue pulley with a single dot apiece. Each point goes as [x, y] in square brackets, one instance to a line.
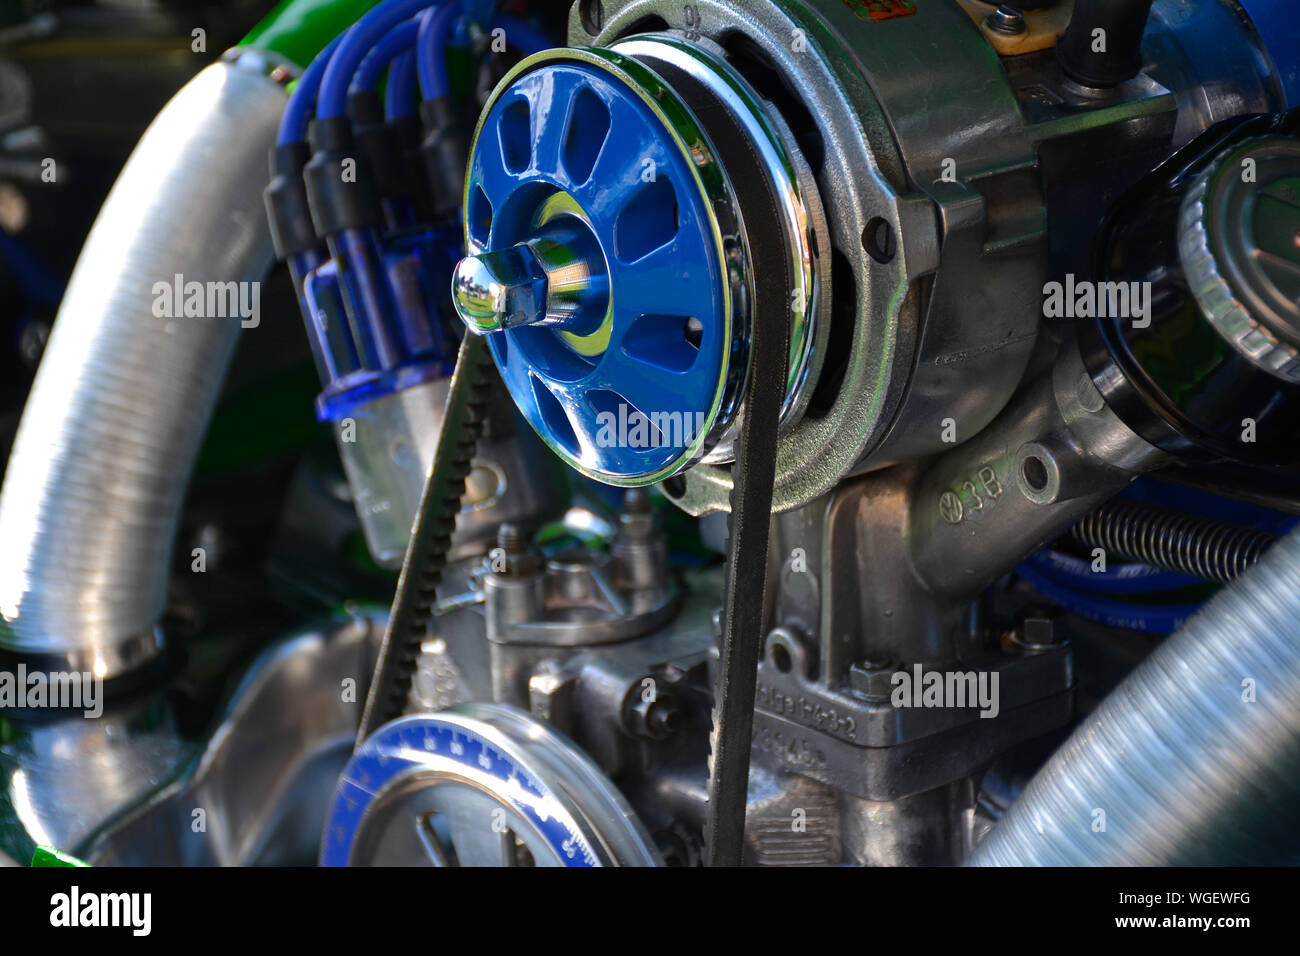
[608, 266]
[479, 784]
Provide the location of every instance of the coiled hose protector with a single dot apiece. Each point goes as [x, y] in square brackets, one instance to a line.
[1186, 768]
[122, 397]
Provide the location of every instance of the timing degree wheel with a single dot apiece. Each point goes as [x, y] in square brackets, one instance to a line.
[479, 784]
[614, 242]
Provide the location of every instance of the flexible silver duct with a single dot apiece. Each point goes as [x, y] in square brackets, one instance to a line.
[1194, 758]
[122, 397]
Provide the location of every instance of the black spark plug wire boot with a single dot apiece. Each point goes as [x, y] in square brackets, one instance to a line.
[340, 184]
[287, 208]
[443, 151]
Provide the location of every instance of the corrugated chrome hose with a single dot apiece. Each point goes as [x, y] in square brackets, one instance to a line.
[1194, 759]
[122, 397]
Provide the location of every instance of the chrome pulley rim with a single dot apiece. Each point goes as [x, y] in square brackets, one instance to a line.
[799, 210]
[480, 784]
[609, 264]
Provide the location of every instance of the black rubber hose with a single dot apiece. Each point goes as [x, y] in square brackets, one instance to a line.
[1111, 56]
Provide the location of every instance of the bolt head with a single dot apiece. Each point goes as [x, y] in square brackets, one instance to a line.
[1007, 20]
[1038, 629]
[656, 719]
[500, 290]
[515, 548]
[872, 679]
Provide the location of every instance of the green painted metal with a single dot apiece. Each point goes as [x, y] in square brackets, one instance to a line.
[49, 856]
[299, 29]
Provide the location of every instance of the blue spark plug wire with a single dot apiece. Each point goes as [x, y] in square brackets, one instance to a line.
[399, 96]
[302, 102]
[431, 64]
[332, 101]
[395, 42]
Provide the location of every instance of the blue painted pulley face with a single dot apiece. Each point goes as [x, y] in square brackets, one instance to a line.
[633, 389]
[479, 784]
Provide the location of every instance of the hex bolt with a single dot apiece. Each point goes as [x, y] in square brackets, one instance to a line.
[636, 519]
[661, 720]
[1038, 630]
[1006, 20]
[500, 290]
[512, 545]
[510, 539]
[872, 680]
[656, 719]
